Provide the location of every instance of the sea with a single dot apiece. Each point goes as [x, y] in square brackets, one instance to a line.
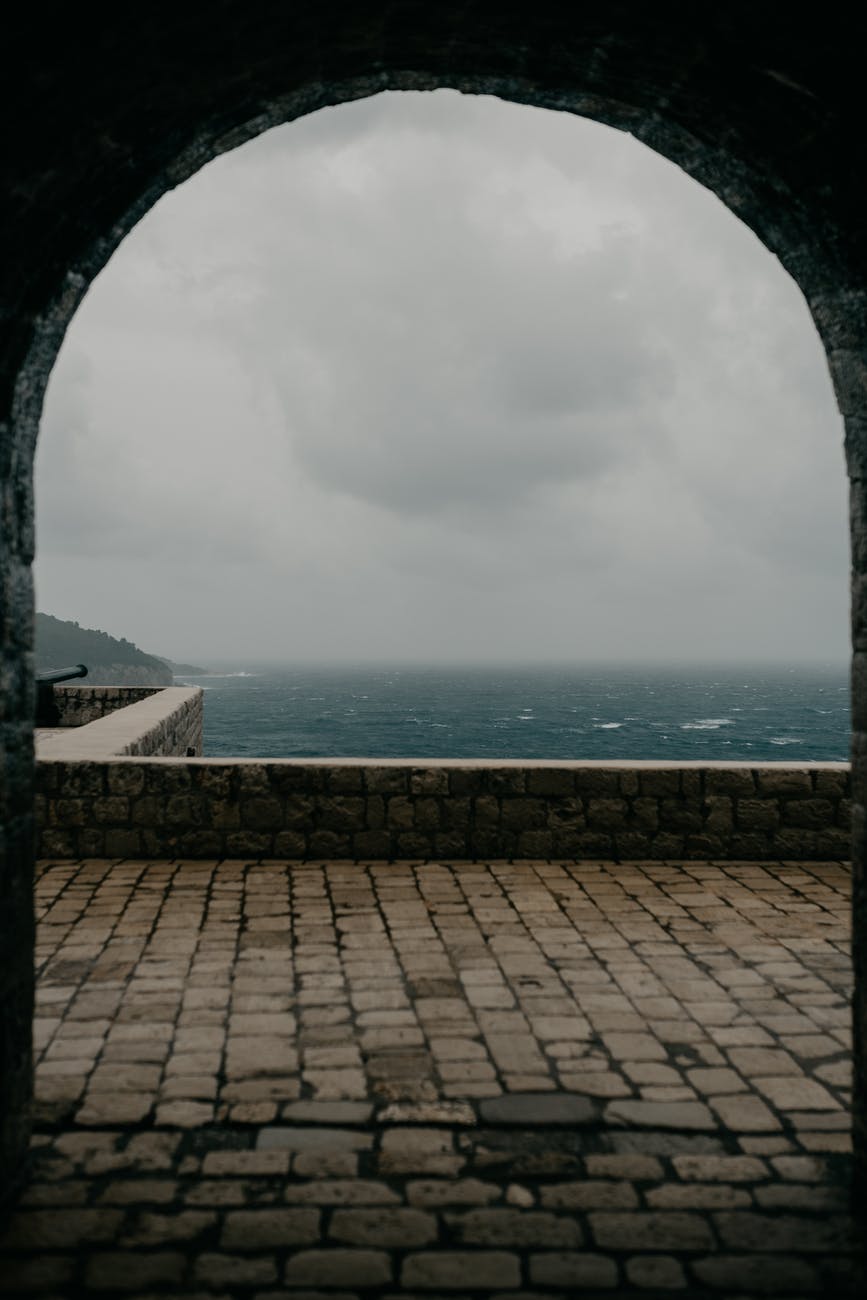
[756, 715]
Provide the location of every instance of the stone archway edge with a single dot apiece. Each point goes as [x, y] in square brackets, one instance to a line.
[109, 110]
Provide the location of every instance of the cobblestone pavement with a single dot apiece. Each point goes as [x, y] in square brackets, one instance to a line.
[518, 1079]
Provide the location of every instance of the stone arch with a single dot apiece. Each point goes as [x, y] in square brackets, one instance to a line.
[111, 115]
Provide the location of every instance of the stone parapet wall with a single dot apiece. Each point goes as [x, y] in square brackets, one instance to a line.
[454, 811]
[78, 705]
[177, 732]
[159, 723]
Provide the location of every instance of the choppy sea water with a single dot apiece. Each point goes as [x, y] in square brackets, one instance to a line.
[755, 715]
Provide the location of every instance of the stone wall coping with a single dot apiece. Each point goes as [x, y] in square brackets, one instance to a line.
[113, 735]
[50, 752]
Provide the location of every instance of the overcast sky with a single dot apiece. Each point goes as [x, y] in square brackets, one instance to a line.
[437, 378]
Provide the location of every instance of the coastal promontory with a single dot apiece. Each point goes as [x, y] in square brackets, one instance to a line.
[110, 661]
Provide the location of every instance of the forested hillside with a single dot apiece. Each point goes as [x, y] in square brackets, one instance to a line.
[110, 661]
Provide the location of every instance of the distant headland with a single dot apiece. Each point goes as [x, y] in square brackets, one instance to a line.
[110, 661]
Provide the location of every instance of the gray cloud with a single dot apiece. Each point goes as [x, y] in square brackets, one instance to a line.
[432, 376]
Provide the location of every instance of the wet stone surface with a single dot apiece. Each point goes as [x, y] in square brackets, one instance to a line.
[525, 1078]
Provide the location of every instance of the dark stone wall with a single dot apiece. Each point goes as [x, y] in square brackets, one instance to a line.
[461, 812]
[129, 721]
[78, 705]
[106, 106]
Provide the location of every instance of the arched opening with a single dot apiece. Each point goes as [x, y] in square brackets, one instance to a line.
[773, 149]
[438, 380]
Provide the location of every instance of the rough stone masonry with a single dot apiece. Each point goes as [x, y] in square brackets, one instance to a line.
[109, 109]
[521, 1080]
[453, 811]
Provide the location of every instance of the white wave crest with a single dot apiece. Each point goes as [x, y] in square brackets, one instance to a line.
[707, 724]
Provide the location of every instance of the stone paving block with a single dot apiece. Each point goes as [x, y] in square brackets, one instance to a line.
[839, 1142]
[554, 1028]
[655, 1272]
[758, 1274]
[337, 1084]
[373, 1040]
[579, 1271]
[765, 1146]
[185, 1088]
[83, 1147]
[321, 1162]
[517, 1194]
[403, 1229]
[457, 1269]
[457, 1071]
[327, 1112]
[328, 1058]
[338, 1267]
[418, 1151]
[784, 1232]
[38, 1275]
[540, 1108]
[130, 1270]
[753, 1061]
[744, 1113]
[596, 1083]
[713, 1081]
[788, 1092]
[807, 1169]
[515, 1228]
[424, 1112]
[221, 1270]
[108, 1108]
[340, 1191]
[661, 1115]
[661, 1094]
[59, 1228]
[251, 1056]
[715, 1168]
[48, 1195]
[662, 1230]
[451, 1191]
[314, 1138]
[528, 1082]
[193, 1063]
[651, 1072]
[269, 1229]
[838, 1073]
[490, 995]
[697, 1196]
[219, 1192]
[634, 1047]
[634, 1167]
[132, 1191]
[518, 1053]
[589, 1194]
[457, 1049]
[801, 1196]
[183, 1114]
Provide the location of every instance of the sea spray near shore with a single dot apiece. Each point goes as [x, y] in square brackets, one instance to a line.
[744, 715]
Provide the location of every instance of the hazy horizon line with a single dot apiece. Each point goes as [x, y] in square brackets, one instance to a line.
[240, 663]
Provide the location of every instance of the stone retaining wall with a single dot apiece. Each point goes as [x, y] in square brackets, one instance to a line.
[454, 811]
[77, 705]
